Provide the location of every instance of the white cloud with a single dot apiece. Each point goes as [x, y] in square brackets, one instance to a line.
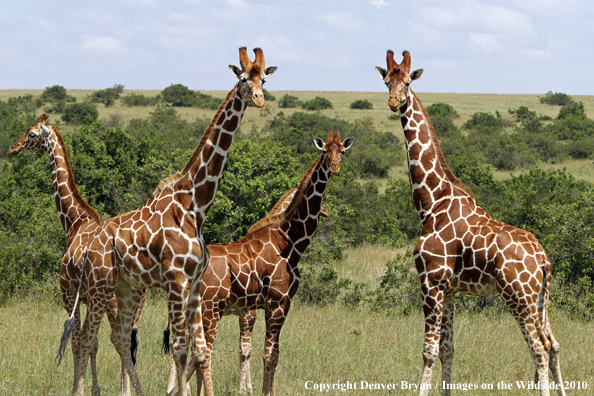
[101, 44]
[379, 4]
[490, 43]
[342, 20]
[537, 54]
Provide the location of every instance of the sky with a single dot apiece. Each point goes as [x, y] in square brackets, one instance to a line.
[465, 46]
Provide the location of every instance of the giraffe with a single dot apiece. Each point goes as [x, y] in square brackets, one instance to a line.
[161, 245]
[260, 271]
[80, 222]
[464, 250]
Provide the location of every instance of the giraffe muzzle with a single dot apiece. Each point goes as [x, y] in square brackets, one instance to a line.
[258, 98]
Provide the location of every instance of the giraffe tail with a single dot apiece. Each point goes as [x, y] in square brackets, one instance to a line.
[68, 327]
[166, 347]
[133, 345]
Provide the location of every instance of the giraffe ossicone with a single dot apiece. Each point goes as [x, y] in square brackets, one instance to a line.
[464, 250]
[160, 244]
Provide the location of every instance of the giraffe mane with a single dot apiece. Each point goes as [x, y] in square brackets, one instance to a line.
[71, 183]
[440, 156]
[274, 217]
[170, 180]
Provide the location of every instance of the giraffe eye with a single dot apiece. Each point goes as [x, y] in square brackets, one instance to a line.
[32, 135]
[243, 79]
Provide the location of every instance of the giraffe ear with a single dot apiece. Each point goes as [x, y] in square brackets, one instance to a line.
[348, 142]
[319, 142]
[323, 212]
[416, 75]
[44, 130]
[381, 72]
[235, 70]
[270, 71]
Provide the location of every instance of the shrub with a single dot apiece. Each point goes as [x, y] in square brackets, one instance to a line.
[572, 110]
[362, 104]
[179, 95]
[268, 96]
[394, 117]
[556, 99]
[319, 286]
[289, 101]
[56, 93]
[317, 103]
[106, 96]
[442, 117]
[134, 99]
[80, 113]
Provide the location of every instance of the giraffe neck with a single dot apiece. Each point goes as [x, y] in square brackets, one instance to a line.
[430, 178]
[73, 210]
[304, 218]
[201, 175]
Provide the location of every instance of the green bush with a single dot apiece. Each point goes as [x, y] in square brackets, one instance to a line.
[179, 95]
[317, 103]
[80, 113]
[134, 99]
[107, 96]
[289, 101]
[182, 96]
[362, 104]
[442, 117]
[319, 286]
[556, 99]
[56, 93]
[268, 96]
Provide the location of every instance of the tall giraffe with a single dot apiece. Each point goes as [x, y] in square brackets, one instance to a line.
[161, 245]
[260, 271]
[80, 222]
[464, 250]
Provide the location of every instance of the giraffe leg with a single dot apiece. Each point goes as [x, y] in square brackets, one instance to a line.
[179, 347]
[210, 320]
[95, 309]
[95, 390]
[112, 314]
[554, 363]
[128, 300]
[247, 319]
[196, 328]
[433, 310]
[446, 341]
[523, 308]
[275, 318]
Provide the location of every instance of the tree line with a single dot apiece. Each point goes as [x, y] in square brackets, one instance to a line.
[117, 165]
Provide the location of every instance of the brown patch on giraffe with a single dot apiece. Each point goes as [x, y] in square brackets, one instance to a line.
[216, 164]
[225, 141]
[231, 124]
[311, 224]
[207, 189]
[433, 181]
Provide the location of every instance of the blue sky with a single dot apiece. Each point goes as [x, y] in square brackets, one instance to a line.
[464, 46]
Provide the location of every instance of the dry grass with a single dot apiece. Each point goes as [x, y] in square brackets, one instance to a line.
[321, 344]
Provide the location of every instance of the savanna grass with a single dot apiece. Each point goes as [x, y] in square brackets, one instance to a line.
[331, 345]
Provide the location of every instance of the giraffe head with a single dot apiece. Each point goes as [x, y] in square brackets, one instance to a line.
[252, 75]
[35, 139]
[398, 78]
[333, 149]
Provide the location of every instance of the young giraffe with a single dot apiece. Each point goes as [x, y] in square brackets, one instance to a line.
[80, 222]
[260, 271]
[160, 244]
[463, 249]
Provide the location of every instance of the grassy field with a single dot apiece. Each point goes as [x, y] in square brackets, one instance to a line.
[330, 345]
